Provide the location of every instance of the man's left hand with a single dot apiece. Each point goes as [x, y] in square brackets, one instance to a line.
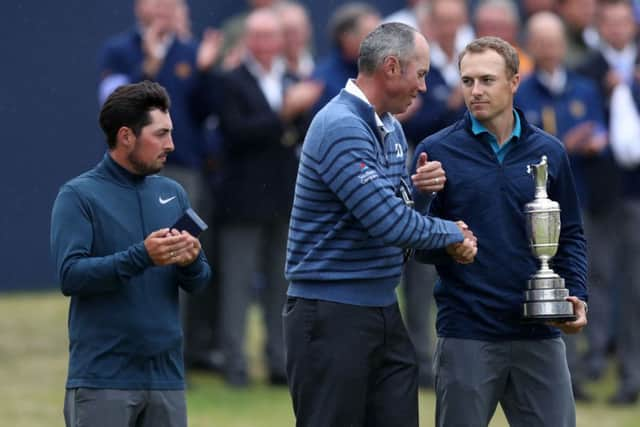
[577, 325]
[429, 176]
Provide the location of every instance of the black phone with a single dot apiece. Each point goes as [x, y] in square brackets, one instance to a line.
[191, 222]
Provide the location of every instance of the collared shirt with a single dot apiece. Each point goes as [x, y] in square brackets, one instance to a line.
[448, 68]
[500, 150]
[555, 82]
[623, 61]
[270, 81]
[352, 88]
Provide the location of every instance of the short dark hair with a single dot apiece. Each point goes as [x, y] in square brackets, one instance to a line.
[129, 106]
[501, 47]
[393, 38]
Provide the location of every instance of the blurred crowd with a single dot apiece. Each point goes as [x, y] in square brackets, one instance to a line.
[243, 95]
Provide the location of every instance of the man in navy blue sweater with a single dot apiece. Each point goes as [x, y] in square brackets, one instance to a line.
[349, 360]
[485, 354]
[122, 264]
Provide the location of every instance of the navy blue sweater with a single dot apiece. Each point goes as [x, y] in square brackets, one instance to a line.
[483, 300]
[124, 324]
[347, 226]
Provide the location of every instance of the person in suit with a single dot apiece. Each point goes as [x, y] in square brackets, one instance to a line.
[612, 64]
[255, 193]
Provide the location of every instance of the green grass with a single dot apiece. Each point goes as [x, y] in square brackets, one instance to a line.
[33, 356]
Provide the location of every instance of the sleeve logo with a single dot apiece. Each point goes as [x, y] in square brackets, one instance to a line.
[366, 174]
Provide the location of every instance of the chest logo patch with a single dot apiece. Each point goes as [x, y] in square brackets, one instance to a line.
[399, 151]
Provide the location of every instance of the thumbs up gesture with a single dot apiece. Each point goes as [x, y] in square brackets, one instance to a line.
[429, 176]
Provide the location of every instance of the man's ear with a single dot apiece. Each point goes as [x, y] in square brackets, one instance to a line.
[125, 137]
[515, 83]
[391, 65]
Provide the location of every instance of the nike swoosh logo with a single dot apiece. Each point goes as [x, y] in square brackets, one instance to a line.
[165, 201]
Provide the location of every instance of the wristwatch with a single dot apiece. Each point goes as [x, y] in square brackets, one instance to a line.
[586, 306]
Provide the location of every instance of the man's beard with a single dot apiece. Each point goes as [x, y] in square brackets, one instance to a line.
[141, 167]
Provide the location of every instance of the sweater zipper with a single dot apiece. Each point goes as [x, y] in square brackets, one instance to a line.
[141, 213]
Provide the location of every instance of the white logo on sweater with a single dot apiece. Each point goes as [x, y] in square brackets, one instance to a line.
[399, 151]
[165, 201]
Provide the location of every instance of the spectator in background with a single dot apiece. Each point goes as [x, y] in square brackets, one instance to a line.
[567, 106]
[614, 65]
[233, 29]
[122, 266]
[500, 18]
[407, 15]
[531, 7]
[431, 111]
[255, 193]
[579, 18]
[297, 38]
[625, 142]
[183, 22]
[611, 64]
[348, 26]
[485, 354]
[350, 361]
[443, 103]
[153, 50]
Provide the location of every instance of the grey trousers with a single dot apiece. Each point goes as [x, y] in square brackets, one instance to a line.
[419, 280]
[628, 334]
[603, 233]
[245, 251]
[529, 379]
[87, 407]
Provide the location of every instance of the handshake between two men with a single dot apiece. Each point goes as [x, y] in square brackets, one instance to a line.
[430, 177]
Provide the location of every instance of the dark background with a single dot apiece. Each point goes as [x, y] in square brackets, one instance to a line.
[48, 110]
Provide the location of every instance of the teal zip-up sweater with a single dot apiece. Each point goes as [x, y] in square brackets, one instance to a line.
[124, 323]
[348, 227]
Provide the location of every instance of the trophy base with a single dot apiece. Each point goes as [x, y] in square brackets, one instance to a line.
[546, 311]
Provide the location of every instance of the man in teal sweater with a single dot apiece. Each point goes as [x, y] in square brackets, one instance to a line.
[350, 361]
[121, 263]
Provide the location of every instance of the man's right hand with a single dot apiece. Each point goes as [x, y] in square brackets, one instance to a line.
[465, 251]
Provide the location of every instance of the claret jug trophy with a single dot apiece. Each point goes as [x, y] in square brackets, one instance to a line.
[545, 297]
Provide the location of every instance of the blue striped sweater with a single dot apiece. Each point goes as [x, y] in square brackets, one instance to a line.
[348, 227]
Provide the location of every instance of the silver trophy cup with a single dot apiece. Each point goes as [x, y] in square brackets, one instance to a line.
[545, 297]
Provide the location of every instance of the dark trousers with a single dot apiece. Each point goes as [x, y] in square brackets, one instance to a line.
[349, 365]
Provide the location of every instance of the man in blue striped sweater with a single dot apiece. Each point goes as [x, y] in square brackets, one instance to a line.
[349, 359]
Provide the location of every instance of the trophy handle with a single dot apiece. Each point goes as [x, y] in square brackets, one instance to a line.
[540, 175]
